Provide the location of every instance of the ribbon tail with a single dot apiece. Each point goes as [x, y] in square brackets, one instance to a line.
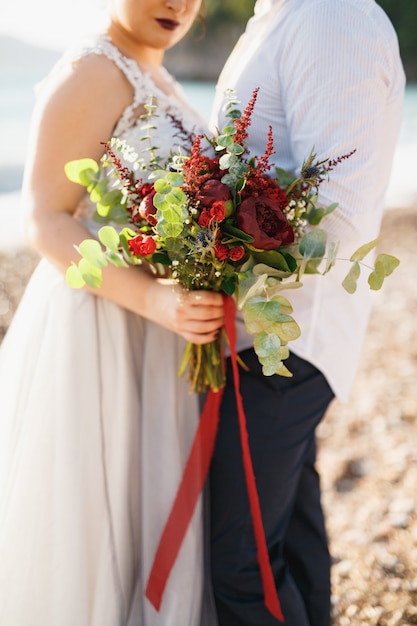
[192, 483]
[272, 602]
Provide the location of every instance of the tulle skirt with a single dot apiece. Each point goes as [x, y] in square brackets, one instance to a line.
[95, 428]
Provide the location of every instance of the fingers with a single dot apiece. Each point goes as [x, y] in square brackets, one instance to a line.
[200, 315]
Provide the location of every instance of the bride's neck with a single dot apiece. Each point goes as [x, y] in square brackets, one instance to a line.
[148, 58]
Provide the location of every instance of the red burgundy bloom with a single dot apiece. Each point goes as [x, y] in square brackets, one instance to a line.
[147, 209]
[221, 251]
[213, 190]
[263, 219]
[204, 218]
[142, 245]
[218, 211]
[236, 253]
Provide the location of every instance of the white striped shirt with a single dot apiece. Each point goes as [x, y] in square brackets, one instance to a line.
[330, 76]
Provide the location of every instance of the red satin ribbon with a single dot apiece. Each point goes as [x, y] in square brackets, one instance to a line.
[192, 483]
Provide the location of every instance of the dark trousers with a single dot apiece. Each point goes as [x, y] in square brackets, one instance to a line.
[282, 414]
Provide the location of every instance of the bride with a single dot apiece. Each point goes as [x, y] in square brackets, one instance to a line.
[95, 425]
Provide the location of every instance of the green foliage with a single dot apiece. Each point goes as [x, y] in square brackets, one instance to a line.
[271, 322]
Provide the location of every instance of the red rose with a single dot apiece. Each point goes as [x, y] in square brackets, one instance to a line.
[218, 211]
[236, 253]
[148, 246]
[213, 190]
[134, 245]
[221, 251]
[263, 219]
[142, 246]
[147, 209]
[204, 218]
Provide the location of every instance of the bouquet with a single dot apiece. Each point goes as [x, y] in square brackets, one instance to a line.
[217, 220]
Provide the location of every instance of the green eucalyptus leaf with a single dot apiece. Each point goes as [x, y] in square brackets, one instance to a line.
[285, 305]
[313, 244]
[331, 256]
[116, 259]
[82, 171]
[118, 215]
[286, 328]
[259, 314]
[284, 371]
[388, 262]
[168, 228]
[266, 344]
[90, 273]
[99, 190]
[160, 202]
[223, 141]
[109, 237]
[376, 278]
[226, 160]
[361, 252]
[162, 186]
[234, 114]
[177, 196]
[250, 286]
[235, 149]
[314, 215]
[350, 282]
[385, 264]
[175, 179]
[229, 130]
[157, 174]
[74, 278]
[273, 365]
[92, 252]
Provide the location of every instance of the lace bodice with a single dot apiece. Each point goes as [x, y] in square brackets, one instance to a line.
[129, 126]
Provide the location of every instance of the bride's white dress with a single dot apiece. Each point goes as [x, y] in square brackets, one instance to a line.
[95, 428]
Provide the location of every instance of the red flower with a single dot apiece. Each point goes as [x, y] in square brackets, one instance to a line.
[142, 245]
[146, 188]
[204, 219]
[263, 219]
[218, 211]
[221, 251]
[147, 209]
[211, 191]
[236, 253]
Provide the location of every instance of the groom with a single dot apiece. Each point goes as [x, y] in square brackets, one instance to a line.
[330, 77]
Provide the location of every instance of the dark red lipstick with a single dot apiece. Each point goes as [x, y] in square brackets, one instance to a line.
[168, 24]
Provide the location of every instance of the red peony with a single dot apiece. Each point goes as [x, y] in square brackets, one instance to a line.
[263, 219]
[211, 191]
